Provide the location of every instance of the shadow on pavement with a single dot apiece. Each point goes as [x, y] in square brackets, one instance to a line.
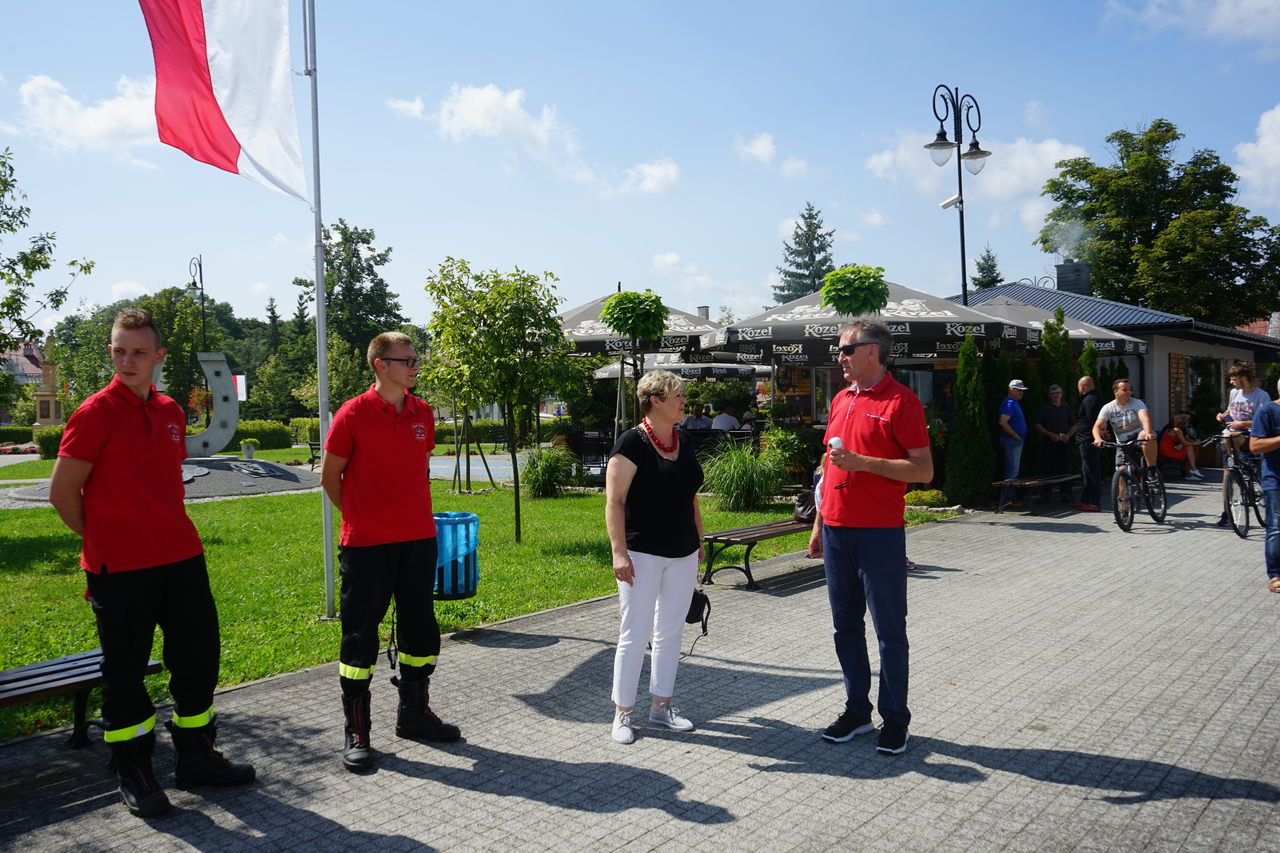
[592, 786]
[1137, 780]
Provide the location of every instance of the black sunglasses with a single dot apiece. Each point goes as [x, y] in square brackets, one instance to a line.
[850, 349]
[408, 362]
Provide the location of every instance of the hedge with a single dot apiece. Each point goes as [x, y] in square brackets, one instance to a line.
[15, 434]
[48, 439]
[304, 430]
[271, 435]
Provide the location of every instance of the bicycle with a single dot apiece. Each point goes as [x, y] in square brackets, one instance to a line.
[1244, 486]
[1135, 483]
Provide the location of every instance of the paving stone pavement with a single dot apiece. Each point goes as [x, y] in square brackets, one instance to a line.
[1073, 688]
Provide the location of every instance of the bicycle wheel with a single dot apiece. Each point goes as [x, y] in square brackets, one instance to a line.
[1256, 499]
[1236, 507]
[1122, 498]
[1157, 506]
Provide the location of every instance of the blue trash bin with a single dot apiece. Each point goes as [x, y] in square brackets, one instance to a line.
[457, 564]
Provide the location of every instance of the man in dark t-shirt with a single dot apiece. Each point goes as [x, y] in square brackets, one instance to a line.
[1090, 464]
[1056, 425]
[1265, 440]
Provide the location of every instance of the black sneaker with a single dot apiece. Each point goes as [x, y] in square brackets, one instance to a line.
[1224, 520]
[893, 739]
[846, 727]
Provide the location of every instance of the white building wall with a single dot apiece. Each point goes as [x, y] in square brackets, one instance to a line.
[1155, 374]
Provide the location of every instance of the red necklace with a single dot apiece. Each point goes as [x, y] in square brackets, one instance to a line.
[675, 438]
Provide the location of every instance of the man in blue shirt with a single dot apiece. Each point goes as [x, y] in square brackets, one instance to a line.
[1265, 440]
[1013, 434]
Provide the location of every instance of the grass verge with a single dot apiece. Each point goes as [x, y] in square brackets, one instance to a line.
[266, 567]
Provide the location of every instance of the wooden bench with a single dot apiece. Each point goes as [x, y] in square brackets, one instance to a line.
[76, 674]
[316, 454]
[749, 536]
[1029, 487]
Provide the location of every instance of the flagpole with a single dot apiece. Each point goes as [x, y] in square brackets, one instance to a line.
[322, 336]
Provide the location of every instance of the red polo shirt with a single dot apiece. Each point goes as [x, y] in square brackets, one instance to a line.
[134, 517]
[385, 493]
[885, 421]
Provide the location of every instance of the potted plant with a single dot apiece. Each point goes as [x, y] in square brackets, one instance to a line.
[247, 446]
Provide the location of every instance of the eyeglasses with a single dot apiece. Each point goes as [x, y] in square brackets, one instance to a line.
[408, 362]
[850, 349]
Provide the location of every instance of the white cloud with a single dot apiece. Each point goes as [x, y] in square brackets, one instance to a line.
[1033, 114]
[114, 125]
[654, 177]
[1013, 178]
[127, 290]
[260, 287]
[760, 149]
[699, 287]
[794, 167]
[490, 113]
[1226, 20]
[787, 227]
[408, 109]
[1259, 166]
[873, 218]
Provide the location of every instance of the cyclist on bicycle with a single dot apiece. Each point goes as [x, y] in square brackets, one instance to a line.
[1246, 398]
[1128, 418]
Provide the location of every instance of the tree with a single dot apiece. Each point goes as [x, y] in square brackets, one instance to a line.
[855, 290]
[726, 316]
[1165, 233]
[17, 274]
[359, 305]
[1087, 364]
[1055, 357]
[806, 259]
[497, 336]
[987, 270]
[349, 376]
[275, 336]
[970, 455]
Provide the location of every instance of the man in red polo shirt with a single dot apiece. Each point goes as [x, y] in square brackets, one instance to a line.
[118, 485]
[376, 473]
[883, 444]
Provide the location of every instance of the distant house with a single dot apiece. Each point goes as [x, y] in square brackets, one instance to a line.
[24, 364]
[1161, 376]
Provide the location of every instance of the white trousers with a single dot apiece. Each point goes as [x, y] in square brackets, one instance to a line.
[655, 604]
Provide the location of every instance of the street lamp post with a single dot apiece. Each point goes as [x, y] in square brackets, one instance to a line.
[196, 268]
[948, 103]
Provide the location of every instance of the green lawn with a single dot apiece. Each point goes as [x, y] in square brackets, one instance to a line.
[32, 469]
[266, 567]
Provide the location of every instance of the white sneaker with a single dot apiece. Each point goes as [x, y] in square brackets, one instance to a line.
[670, 718]
[622, 731]
[1195, 475]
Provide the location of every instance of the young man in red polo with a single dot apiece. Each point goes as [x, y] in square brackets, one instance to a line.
[376, 473]
[118, 485]
[883, 444]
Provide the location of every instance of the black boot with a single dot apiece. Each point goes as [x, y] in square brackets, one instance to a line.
[200, 764]
[416, 719]
[356, 752]
[139, 790]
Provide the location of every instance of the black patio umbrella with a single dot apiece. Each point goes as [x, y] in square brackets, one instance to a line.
[588, 334]
[923, 326]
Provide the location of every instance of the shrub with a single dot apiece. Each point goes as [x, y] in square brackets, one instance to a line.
[15, 434]
[547, 471]
[251, 442]
[549, 429]
[304, 430]
[741, 480]
[273, 435]
[48, 438]
[927, 497]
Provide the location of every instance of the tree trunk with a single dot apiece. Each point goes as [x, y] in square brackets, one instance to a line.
[509, 417]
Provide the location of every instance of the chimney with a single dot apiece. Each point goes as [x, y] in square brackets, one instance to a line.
[1073, 277]
[704, 312]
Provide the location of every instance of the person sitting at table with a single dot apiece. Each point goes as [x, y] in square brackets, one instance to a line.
[697, 420]
[1178, 442]
[726, 420]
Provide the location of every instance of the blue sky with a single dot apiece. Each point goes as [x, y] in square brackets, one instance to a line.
[664, 145]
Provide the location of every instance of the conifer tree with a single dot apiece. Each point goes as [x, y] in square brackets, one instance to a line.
[970, 456]
[806, 259]
[987, 272]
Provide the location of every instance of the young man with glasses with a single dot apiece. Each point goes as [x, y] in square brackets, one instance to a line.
[375, 470]
[878, 443]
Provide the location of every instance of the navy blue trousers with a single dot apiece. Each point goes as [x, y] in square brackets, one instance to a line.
[867, 570]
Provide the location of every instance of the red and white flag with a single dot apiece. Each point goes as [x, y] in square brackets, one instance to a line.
[224, 87]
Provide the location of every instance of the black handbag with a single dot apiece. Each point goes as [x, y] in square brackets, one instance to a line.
[806, 508]
[699, 610]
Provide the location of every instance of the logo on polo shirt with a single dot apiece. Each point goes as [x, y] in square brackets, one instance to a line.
[420, 432]
[175, 432]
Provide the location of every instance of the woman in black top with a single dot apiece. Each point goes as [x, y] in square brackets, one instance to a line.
[655, 531]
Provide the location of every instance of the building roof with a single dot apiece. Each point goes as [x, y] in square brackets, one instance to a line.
[24, 360]
[1123, 317]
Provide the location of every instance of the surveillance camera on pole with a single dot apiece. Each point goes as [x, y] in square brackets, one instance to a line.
[955, 201]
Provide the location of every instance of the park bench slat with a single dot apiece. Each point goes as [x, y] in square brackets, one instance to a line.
[1029, 485]
[78, 674]
[750, 536]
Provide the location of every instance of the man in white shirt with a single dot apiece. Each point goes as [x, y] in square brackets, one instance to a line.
[725, 420]
[1128, 417]
[1245, 399]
